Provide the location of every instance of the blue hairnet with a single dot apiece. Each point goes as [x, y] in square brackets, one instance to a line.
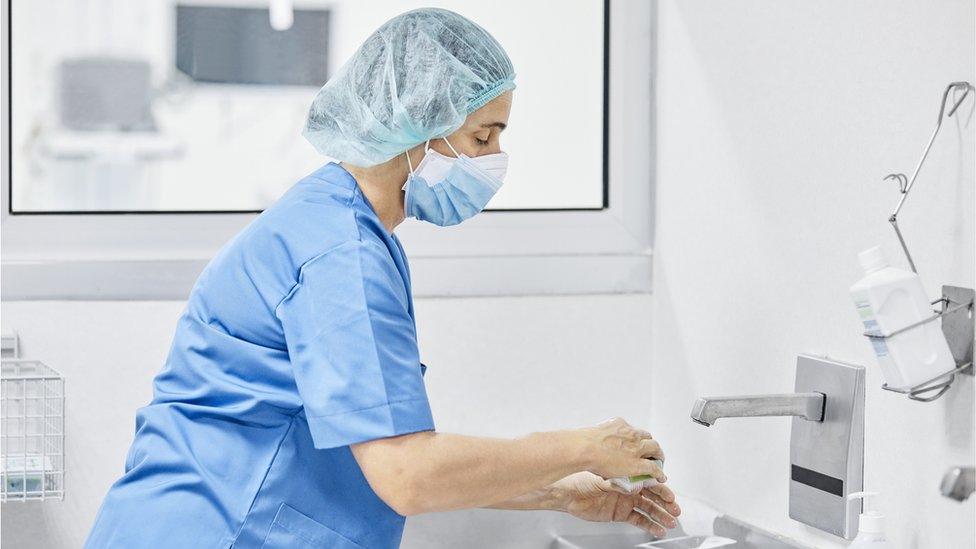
[416, 78]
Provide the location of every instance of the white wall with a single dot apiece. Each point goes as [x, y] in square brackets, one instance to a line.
[497, 366]
[776, 123]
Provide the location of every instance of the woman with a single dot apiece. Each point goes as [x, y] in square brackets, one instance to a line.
[291, 411]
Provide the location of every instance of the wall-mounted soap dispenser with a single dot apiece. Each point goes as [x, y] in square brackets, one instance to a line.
[955, 304]
[887, 299]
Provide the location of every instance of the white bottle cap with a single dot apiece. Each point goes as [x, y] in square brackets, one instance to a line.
[871, 522]
[872, 259]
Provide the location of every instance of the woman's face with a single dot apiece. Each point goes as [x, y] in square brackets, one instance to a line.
[481, 131]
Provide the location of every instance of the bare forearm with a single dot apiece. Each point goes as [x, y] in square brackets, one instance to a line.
[428, 471]
[440, 472]
[547, 498]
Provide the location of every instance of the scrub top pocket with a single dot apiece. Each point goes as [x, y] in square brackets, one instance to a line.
[292, 529]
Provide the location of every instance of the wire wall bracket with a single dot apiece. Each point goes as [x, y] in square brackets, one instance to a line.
[956, 304]
[956, 311]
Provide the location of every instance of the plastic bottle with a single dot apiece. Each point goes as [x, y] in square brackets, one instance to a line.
[870, 526]
[888, 299]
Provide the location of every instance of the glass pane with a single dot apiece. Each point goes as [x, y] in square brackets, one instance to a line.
[162, 106]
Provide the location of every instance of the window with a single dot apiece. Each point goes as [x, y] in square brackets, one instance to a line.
[574, 216]
[169, 106]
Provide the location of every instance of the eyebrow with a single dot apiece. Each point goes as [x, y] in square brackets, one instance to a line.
[499, 125]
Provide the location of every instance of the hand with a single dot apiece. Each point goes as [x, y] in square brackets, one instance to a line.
[589, 497]
[615, 449]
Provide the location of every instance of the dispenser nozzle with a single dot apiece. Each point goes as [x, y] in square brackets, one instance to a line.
[870, 520]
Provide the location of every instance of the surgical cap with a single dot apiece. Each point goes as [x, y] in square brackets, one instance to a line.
[416, 78]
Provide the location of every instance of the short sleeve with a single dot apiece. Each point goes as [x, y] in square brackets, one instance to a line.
[353, 347]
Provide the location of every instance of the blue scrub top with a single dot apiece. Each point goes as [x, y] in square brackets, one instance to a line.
[298, 340]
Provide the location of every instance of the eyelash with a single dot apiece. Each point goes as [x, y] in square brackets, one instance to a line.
[481, 141]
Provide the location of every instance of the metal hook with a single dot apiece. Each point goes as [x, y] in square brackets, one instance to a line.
[966, 86]
[901, 179]
[905, 184]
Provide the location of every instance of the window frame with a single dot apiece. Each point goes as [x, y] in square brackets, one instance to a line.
[158, 255]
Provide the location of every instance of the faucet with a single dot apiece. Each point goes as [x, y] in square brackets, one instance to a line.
[708, 410]
[959, 483]
[826, 446]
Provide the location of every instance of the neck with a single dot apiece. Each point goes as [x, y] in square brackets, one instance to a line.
[382, 185]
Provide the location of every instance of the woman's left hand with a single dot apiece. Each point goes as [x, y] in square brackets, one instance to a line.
[589, 497]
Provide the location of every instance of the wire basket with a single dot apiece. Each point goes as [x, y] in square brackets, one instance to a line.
[32, 436]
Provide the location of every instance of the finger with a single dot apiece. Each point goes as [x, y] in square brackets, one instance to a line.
[656, 512]
[650, 448]
[663, 496]
[646, 524]
[649, 467]
[662, 491]
[642, 434]
[672, 508]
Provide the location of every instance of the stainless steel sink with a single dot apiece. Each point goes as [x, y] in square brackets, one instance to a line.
[745, 536]
[487, 528]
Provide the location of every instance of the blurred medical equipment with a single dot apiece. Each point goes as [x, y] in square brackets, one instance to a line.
[103, 93]
[281, 14]
[416, 78]
[100, 155]
[232, 45]
[121, 137]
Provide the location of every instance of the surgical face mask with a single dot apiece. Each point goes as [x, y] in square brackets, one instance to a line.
[446, 191]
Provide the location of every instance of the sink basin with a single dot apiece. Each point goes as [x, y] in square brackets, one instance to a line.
[740, 534]
[630, 541]
[491, 528]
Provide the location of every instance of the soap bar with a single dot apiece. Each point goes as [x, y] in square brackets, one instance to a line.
[637, 482]
[633, 484]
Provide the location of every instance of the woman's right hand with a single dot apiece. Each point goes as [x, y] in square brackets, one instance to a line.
[614, 448]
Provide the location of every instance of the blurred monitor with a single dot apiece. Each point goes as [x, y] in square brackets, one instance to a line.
[103, 93]
[238, 46]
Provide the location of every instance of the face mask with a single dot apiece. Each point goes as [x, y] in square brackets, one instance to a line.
[446, 191]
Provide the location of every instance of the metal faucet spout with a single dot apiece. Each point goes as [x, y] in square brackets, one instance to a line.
[708, 410]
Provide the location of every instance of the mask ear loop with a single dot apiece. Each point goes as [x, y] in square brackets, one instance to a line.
[456, 155]
[409, 163]
[407, 152]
